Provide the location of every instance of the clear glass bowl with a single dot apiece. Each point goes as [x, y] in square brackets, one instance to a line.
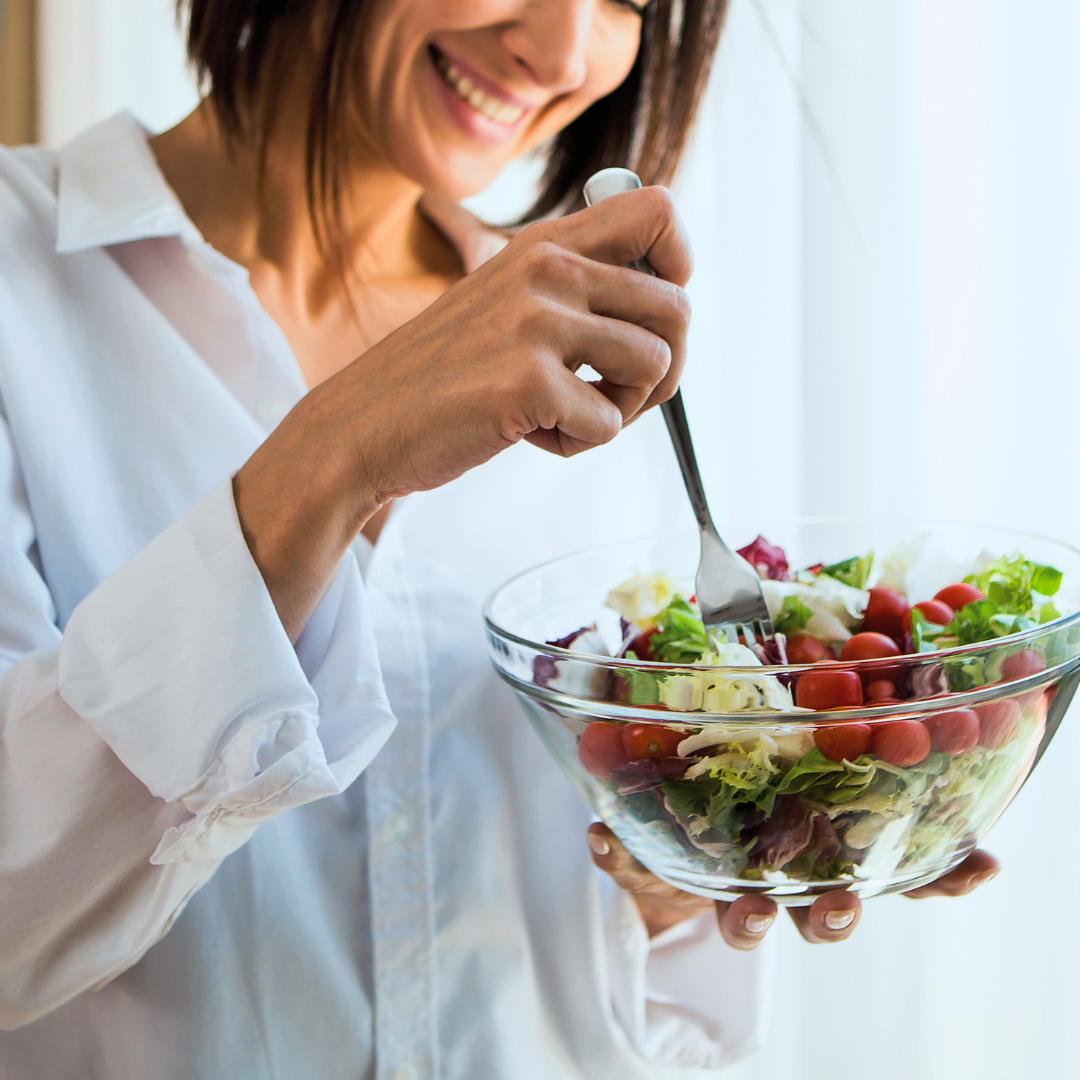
[882, 828]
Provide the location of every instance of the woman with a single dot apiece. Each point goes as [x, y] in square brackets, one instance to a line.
[218, 601]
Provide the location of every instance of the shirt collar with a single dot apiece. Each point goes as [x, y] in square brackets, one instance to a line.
[110, 190]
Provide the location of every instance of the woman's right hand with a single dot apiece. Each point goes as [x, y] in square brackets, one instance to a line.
[488, 364]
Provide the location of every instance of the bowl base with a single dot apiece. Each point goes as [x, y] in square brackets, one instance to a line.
[802, 894]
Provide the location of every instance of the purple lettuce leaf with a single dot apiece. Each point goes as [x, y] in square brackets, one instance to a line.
[791, 830]
[767, 559]
[647, 773]
[545, 667]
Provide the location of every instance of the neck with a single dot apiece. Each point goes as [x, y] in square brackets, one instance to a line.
[259, 217]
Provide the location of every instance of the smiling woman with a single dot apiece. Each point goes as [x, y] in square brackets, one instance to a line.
[266, 400]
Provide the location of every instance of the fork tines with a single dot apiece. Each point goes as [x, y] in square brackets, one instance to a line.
[749, 634]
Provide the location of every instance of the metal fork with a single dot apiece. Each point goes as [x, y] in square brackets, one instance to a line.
[729, 592]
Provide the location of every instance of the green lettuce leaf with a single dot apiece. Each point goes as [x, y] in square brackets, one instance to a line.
[681, 636]
[749, 774]
[924, 634]
[793, 617]
[1012, 586]
[1011, 581]
[730, 784]
[643, 687]
[807, 771]
[707, 803]
[854, 572]
[834, 784]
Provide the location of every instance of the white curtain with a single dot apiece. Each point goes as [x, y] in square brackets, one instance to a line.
[100, 56]
[885, 204]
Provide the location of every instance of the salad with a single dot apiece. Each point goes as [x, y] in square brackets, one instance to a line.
[799, 801]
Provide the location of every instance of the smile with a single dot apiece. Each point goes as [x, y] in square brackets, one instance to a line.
[495, 110]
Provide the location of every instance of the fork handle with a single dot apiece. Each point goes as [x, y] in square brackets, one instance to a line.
[612, 182]
[679, 430]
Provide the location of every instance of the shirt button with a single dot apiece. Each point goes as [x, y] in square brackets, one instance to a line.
[397, 826]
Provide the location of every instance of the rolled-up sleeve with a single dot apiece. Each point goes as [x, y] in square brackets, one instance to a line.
[180, 664]
[151, 739]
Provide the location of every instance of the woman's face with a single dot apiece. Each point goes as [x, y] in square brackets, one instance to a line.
[453, 89]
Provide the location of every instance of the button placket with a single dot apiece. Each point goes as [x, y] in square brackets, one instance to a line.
[398, 803]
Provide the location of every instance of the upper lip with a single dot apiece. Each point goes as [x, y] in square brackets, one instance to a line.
[486, 84]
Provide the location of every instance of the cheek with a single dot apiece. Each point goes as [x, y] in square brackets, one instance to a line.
[611, 56]
[612, 52]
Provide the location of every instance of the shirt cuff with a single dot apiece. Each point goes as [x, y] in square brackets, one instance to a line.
[685, 998]
[181, 665]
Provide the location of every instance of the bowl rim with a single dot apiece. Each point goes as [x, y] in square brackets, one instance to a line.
[601, 660]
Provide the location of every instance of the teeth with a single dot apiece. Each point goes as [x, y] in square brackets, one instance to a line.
[469, 92]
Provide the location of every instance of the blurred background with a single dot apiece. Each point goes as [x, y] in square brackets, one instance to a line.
[885, 205]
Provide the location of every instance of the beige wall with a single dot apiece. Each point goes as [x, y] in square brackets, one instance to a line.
[18, 81]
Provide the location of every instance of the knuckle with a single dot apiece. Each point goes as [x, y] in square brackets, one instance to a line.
[673, 303]
[661, 201]
[548, 264]
[537, 232]
[611, 425]
[681, 303]
[660, 361]
[531, 323]
[667, 392]
[604, 423]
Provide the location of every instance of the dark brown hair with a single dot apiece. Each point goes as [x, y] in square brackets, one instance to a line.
[237, 47]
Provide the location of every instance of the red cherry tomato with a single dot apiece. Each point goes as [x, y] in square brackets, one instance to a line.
[901, 742]
[954, 732]
[642, 644]
[881, 690]
[999, 723]
[885, 612]
[934, 611]
[1021, 664]
[804, 649]
[600, 749]
[959, 595]
[839, 741]
[869, 646]
[826, 689]
[651, 741]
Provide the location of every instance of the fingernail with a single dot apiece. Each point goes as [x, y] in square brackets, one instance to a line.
[984, 877]
[598, 843]
[757, 924]
[839, 920]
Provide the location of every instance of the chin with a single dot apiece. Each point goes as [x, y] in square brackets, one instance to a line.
[453, 171]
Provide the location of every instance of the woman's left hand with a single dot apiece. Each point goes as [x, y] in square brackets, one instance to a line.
[743, 922]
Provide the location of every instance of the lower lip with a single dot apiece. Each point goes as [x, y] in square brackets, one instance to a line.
[468, 119]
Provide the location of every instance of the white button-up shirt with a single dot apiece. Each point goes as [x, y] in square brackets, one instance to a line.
[193, 880]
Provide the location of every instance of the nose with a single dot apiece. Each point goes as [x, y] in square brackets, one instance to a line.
[550, 40]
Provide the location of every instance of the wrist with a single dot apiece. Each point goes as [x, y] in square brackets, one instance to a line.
[300, 503]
